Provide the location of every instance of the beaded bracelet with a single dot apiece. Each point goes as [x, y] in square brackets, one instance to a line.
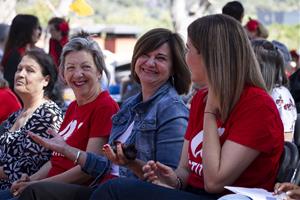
[179, 184]
[77, 157]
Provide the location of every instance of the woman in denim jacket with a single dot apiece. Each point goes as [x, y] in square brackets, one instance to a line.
[153, 120]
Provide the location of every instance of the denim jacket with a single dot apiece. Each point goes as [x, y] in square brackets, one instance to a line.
[159, 127]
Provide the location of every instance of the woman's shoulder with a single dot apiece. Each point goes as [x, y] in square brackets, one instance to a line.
[255, 98]
[256, 95]
[281, 91]
[50, 106]
[104, 101]
[170, 96]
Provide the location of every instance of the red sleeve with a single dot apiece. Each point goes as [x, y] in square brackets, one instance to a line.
[101, 121]
[8, 103]
[256, 123]
[196, 113]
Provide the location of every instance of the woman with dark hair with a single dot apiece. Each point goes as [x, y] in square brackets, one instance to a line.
[34, 80]
[24, 32]
[154, 120]
[59, 30]
[88, 119]
[234, 126]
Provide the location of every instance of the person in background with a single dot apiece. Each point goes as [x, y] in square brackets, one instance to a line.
[234, 9]
[288, 69]
[4, 29]
[154, 120]
[59, 30]
[256, 30]
[34, 80]
[271, 64]
[24, 32]
[87, 122]
[291, 190]
[294, 80]
[234, 126]
[9, 103]
[295, 59]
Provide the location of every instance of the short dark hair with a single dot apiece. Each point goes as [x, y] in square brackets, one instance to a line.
[152, 40]
[48, 68]
[56, 21]
[234, 9]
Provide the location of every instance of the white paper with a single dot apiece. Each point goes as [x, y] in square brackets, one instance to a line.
[256, 193]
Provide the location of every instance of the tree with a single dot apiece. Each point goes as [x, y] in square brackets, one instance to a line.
[7, 10]
[184, 12]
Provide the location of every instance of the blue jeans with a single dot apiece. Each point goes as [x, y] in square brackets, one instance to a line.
[133, 189]
[6, 195]
[234, 197]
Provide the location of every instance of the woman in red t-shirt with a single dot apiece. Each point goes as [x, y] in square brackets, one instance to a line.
[88, 120]
[234, 136]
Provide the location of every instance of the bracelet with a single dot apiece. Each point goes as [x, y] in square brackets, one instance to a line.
[179, 184]
[212, 113]
[77, 157]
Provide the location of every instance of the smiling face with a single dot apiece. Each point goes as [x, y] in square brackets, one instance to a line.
[82, 75]
[29, 80]
[195, 63]
[154, 68]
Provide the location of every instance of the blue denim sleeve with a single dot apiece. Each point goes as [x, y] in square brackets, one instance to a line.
[173, 121]
[95, 165]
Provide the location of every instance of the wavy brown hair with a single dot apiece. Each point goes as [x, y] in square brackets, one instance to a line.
[151, 41]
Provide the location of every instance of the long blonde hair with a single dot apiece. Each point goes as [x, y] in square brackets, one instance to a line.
[229, 59]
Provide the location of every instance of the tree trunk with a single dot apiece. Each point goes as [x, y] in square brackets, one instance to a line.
[183, 12]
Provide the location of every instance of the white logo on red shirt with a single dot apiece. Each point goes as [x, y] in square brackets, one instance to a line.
[197, 151]
[67, 132]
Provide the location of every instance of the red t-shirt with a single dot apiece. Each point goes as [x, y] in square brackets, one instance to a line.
[81, 123]
[254, 122]
[9, 103]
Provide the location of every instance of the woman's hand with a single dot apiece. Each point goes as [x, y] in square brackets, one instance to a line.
[18, 186]
[117, 158]
[160, 174]
[291, 190]
[56, 143]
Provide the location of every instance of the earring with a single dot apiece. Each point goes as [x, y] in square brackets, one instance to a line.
[173, 80]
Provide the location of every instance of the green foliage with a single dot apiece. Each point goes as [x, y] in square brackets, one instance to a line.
[37, 8]
[287, 34]
[148, 14]
[130, 12]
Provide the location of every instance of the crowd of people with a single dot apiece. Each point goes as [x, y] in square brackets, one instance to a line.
[242, 108]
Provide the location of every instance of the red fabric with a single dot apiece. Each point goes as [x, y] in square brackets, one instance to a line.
[9, 103]
[55, 49]
[21, 51]
[255, 123]
[81, 123]
[252, 25]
